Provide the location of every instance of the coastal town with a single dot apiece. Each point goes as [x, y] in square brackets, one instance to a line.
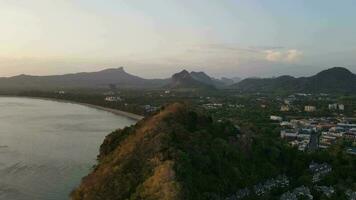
[310, 133]
[317, 170]
[306, 121]
[309, 123]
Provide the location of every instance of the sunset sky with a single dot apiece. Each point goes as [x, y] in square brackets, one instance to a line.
[155, 38]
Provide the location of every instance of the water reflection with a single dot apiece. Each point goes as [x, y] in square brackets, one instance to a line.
[46, 147]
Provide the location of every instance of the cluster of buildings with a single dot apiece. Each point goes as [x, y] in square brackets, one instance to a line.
[113, 99]
[301, 191]
[310, 108]
[351, 150]
[212, 105]
[264, 187]
[351, 195]
[314, 133]
[287, 102]
[281, 181]
[327, 191]
[150, 108]
[61, 92]
[318, 171]
[300, 133]
[339, 130]
[336, 106]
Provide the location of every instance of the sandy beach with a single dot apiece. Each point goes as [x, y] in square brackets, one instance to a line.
[114, 111]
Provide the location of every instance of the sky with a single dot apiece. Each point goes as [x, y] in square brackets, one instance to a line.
[155, 38]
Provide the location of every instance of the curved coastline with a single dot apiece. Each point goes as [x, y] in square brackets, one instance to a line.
[113, 111]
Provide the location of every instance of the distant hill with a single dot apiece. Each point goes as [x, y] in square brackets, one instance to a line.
[230, 81]
[185, 79]
[100, 79]
[335, 79]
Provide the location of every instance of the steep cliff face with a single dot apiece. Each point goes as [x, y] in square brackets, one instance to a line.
[152, 159]
[133, 165]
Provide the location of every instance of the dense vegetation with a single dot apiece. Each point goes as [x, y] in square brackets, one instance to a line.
[182, 153]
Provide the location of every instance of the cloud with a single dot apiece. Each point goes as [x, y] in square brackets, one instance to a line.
[290, 55]
[293, 55]
[272, 55]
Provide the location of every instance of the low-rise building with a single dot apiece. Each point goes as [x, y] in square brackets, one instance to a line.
[275, 118]
[327, 139]
[150, 108]
[285, 108]
[341, 107]
[336, 106]
[351, 151]
[212, 105]
[289, 134]
[286, 124]
[112, 99]
[332, 106]
[298, 192]
[327, 191]
[346, 126]
[319, 170]
[309, 108]
[351, 195]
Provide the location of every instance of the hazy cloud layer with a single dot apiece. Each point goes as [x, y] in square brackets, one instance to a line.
[160, 38]
[291, 55]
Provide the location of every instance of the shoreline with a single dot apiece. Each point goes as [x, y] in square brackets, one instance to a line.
[111, 110]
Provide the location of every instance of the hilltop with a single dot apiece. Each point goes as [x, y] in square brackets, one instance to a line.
[184, 79]
[180, 153]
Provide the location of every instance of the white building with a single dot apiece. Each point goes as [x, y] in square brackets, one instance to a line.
[336, 106]
[286, 124]
[112, 99]
[275, 118]
[341, 107]
[309, 108]
[289, 134]
[284, 108]
[332, 106]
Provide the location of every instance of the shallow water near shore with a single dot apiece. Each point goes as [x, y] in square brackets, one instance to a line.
[46, 147]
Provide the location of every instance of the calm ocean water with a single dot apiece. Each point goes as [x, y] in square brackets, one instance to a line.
[46, 147]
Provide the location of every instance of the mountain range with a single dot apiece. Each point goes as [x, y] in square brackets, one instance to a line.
[100, 79]
[114, 76]
[335, 79]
